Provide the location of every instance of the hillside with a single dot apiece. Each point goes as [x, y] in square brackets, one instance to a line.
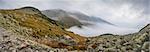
[29, 22]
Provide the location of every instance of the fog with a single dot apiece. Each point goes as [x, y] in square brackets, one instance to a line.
[129, 16]
[101, 28]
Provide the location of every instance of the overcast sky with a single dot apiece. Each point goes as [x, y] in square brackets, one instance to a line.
[124, 13]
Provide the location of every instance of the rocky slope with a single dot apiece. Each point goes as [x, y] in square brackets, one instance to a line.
[27, 30]
[9, 42]
[136, 42]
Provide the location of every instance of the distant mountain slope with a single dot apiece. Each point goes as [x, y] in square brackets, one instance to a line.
[72, 18]
[84, 17]
[62, 17]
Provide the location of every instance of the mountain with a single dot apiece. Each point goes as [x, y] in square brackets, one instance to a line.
[72, 18]
[31, 23]
[28, 30]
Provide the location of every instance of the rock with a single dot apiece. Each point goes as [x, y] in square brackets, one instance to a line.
[110, 50]
[146, 46]
[91, 50]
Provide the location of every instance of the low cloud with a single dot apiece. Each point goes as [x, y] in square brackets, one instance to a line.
[98, 29]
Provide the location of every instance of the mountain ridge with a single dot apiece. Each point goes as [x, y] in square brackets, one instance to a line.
[27, 28]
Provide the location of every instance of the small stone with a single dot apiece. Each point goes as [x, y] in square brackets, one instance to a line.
[90, 50]
[110, 50]
[22, 46]
[146, 46]
[5, 36]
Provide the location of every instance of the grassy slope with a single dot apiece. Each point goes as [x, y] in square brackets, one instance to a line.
[40, 26]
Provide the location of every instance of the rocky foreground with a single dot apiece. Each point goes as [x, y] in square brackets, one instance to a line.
[27, 30]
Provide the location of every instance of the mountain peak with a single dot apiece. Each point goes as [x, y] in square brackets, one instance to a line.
[28, 7]
[30, 10]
